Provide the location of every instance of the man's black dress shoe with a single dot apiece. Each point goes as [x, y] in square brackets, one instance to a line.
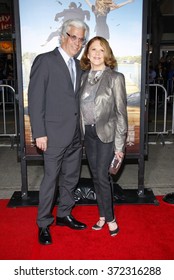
[44, 236]
[70, 222]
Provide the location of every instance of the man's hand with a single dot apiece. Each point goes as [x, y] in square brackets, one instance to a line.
[41, 143]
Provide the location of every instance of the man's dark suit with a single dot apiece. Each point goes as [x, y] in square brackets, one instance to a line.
[54, 112]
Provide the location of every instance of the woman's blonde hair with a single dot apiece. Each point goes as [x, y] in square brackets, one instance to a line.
[102, 7]
[109, 58]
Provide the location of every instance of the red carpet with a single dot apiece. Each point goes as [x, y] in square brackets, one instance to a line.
[146, 233]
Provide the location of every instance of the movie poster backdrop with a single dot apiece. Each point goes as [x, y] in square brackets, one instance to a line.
[120, 22]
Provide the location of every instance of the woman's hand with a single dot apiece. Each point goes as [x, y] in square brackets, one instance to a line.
[119, 155]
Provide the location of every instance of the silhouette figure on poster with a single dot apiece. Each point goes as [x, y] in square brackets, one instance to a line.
[73, 11]
[101, 9]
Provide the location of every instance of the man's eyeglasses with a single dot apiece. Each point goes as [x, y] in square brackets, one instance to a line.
[75, 38]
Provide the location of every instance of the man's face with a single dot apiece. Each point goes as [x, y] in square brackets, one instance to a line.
[72, 43]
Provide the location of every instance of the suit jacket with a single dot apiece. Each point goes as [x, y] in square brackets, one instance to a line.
[53, 104]
[110, 108]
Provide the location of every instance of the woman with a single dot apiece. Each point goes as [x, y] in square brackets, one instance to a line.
[104, 122]
[101, 9]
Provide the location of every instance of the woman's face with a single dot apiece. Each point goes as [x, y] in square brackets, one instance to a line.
[96, 55]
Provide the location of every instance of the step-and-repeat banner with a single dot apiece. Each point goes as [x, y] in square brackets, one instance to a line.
[120, 22]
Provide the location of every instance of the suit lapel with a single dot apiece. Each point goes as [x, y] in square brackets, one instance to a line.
[64, 68]
[83, 81]
[78, 75]
[62, 64]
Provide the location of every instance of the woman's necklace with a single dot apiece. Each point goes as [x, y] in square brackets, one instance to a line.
[94, 76]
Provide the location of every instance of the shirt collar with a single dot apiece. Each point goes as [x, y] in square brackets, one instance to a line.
[65, 56]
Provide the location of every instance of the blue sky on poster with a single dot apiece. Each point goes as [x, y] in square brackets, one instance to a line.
[37, 22]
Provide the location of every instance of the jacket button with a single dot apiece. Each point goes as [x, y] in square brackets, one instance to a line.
[75, 114]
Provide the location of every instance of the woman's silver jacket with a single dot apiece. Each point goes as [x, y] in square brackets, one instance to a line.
[110, 108]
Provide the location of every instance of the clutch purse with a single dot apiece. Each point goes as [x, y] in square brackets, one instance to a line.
[115, 165]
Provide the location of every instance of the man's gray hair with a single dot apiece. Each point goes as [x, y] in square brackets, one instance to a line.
[75, 23]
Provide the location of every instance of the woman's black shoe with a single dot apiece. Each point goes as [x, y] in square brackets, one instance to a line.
[115, 231]
[97, 225]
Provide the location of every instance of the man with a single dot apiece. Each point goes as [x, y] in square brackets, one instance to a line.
[54, 114]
